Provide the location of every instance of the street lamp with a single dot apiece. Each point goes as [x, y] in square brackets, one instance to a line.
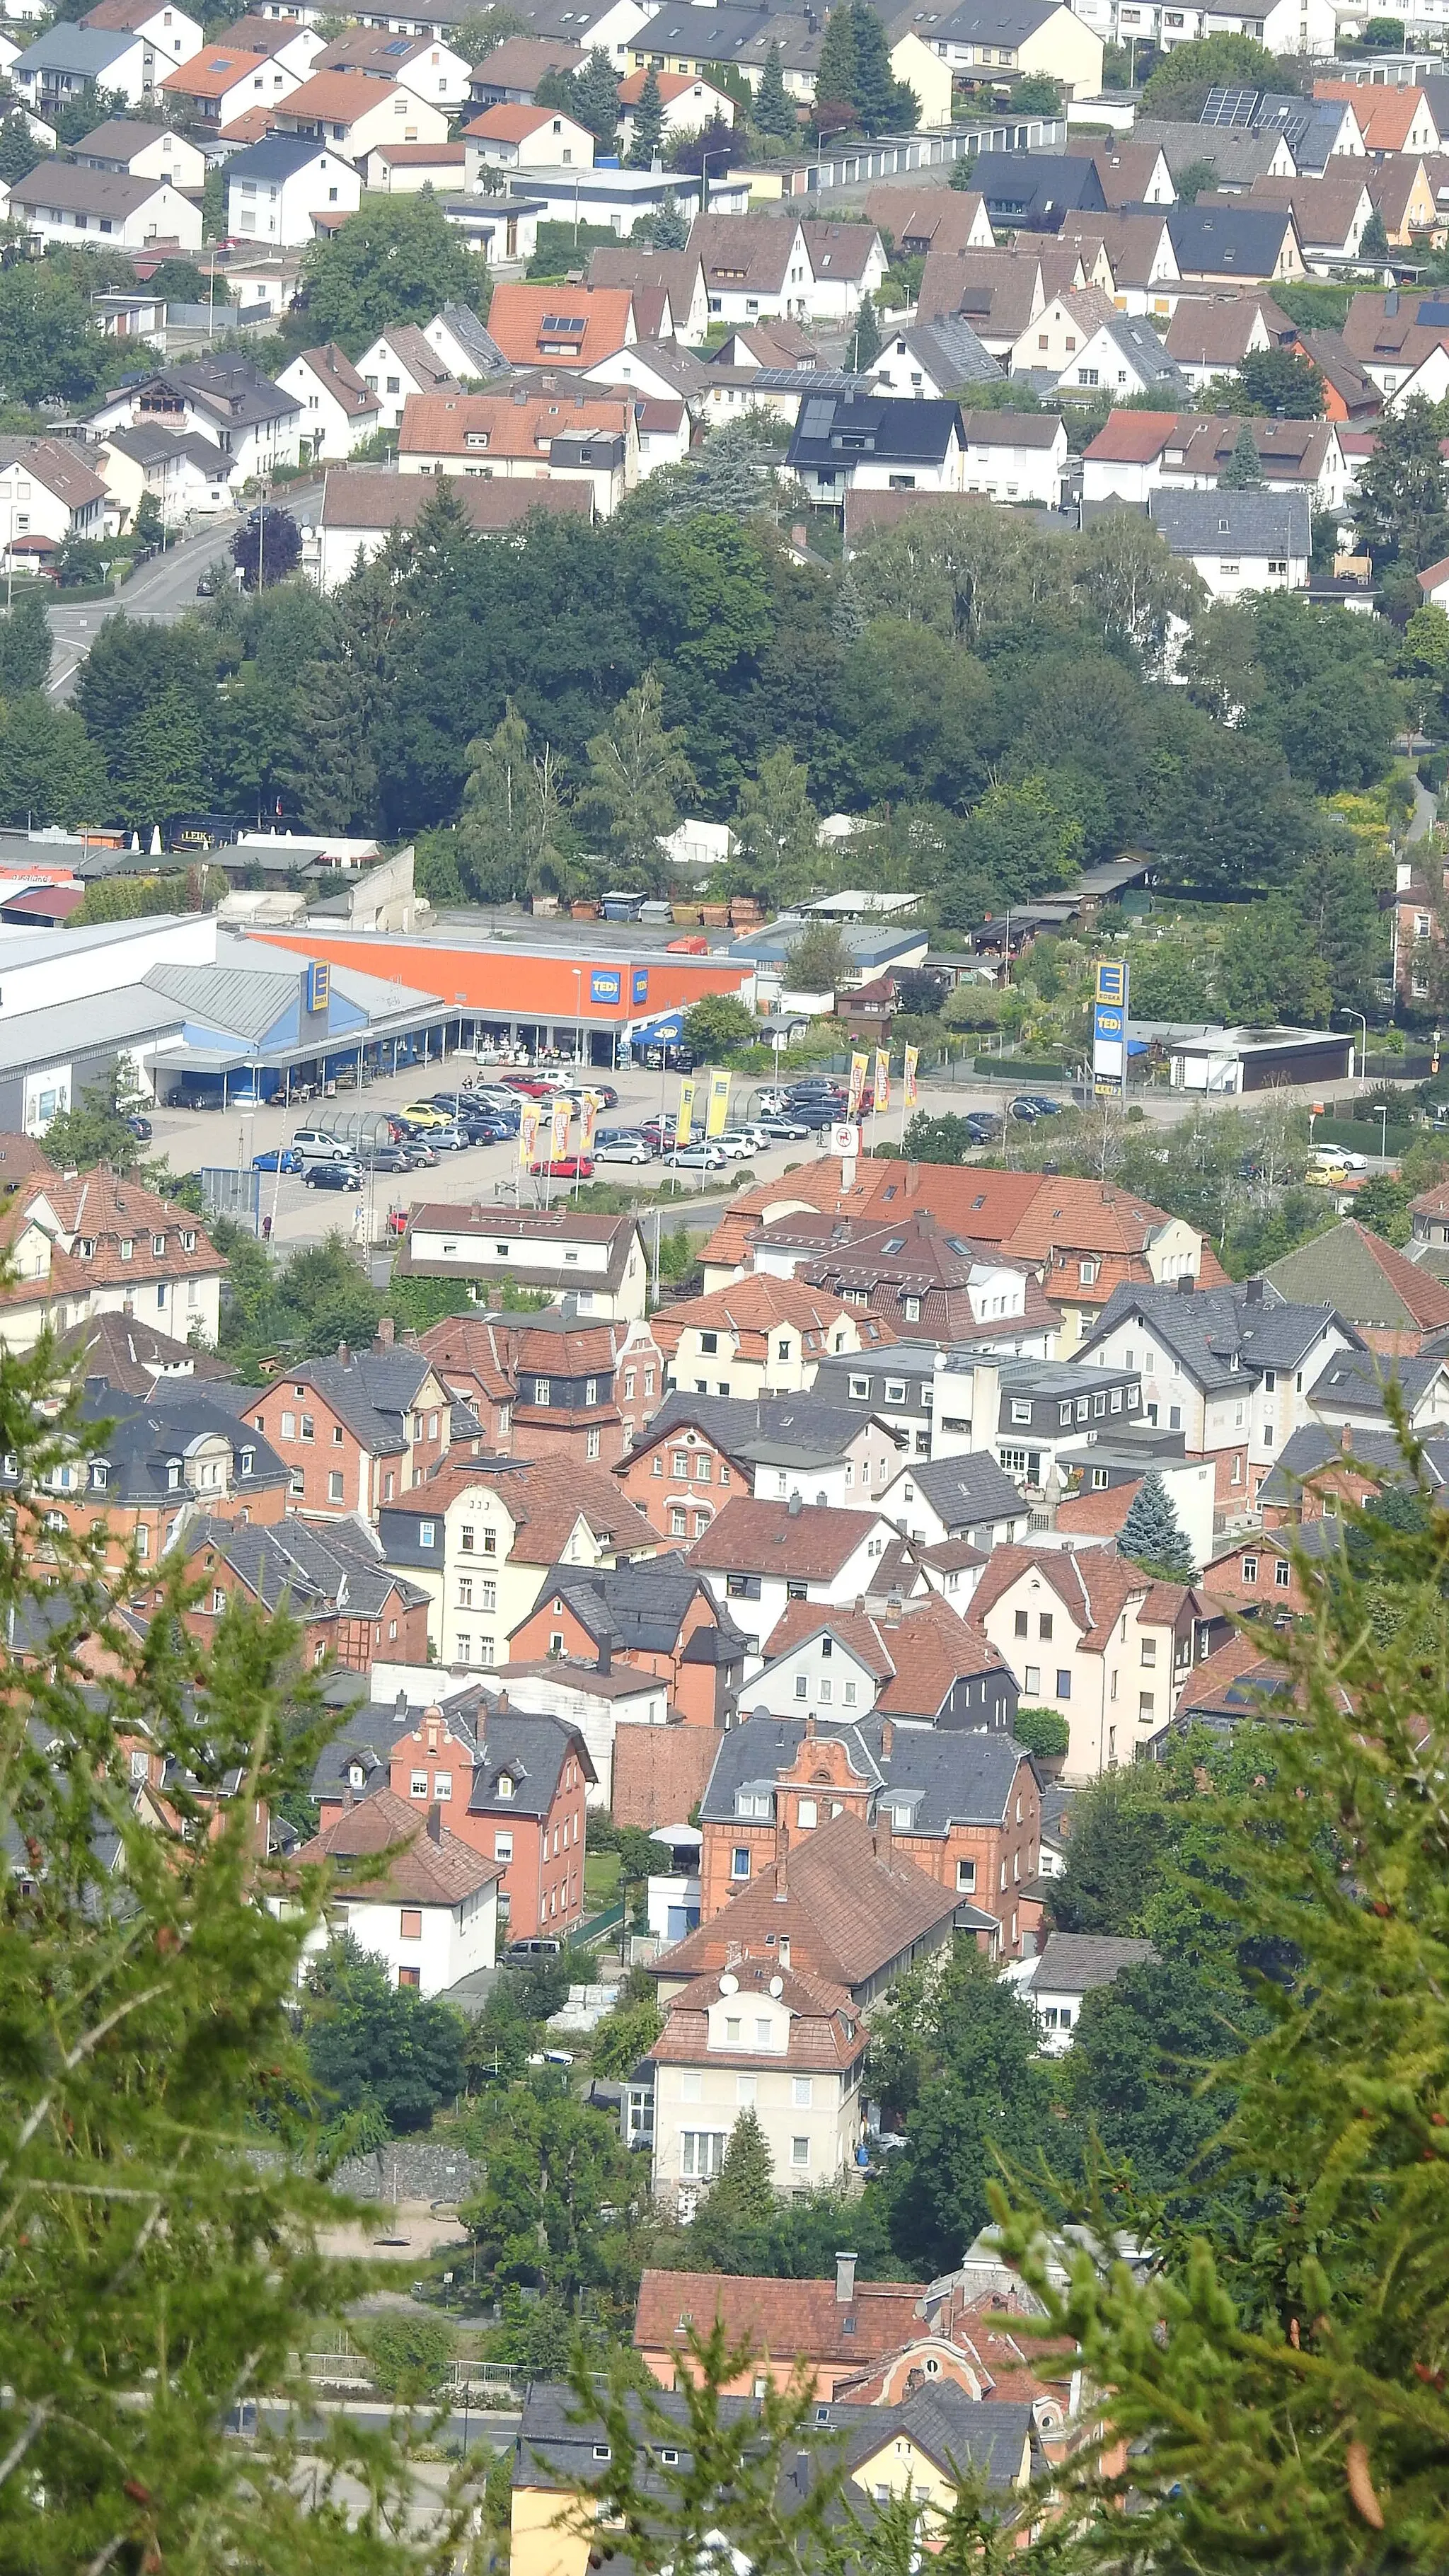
[1363, 1054]
[721, 153]
[1382, 1114]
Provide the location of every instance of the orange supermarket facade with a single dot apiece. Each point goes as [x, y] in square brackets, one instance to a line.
[540, 999]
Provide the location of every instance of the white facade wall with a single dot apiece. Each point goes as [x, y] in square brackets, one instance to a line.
[454, 1939]
[755, 1617]
[280, 211]
[165, 216]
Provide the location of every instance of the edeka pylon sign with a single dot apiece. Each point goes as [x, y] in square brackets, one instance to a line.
[1109, 1028]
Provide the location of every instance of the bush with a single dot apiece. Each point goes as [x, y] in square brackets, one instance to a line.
[1041, 1730]
[409, 2354]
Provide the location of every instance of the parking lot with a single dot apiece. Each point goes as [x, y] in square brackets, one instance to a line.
[301, 1214]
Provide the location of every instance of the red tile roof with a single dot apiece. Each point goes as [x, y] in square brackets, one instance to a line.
[530, 323]
[756, 1306]
[421, 1872]
[847, 1901]
[795, 2320]
[811, 1544]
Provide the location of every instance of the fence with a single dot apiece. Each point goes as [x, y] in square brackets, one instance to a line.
[231, 1193]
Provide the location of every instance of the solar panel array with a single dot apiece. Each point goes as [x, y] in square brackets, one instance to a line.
[1229, 107]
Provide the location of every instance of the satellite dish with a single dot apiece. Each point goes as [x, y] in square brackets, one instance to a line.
[728, 1984]
[777, 1986]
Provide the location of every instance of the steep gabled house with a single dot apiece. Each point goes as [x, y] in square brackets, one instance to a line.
[351, 1607]
[657, 1616]
[1096, 1639]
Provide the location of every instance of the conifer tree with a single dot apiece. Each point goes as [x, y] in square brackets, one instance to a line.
[1280, 2391]
[746, 2186]
[773, 112]
[1152, 1534]
[596, 98]
[648, 124]
[1243, 471]
[835, 72]
[865, 343]
[874, 88]
[333, 774]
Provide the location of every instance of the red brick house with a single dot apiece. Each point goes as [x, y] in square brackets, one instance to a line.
[352, 1608]
[658, 1615]
[355, 1432]
[551, 1383]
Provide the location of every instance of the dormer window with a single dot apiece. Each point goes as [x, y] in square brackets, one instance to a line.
[173, 1474]
[128, 1248]
[99, 1473]
[85, 1246]
[188, 1241]
[158, 1246]
[355, 1776]
[248, 1461]
[505, 1784]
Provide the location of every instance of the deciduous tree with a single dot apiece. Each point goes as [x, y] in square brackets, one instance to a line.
[638, 773]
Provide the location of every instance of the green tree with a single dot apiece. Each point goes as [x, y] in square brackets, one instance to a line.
[409, 2355]
[638, 773]
[1384, 35]
[1275, 380]
[1383, 1206]
[819, 960]
[1035, 95]
[1181, 81]
[864, 345]
[1117, 1856]
[95, 1129]
[1191, 181]
[1168, 983]
[1243, 471]
[986, 2098]
[558, 2186]
[648, 124]
[1152, 1534]
[25, 644]
[1267, 973]
[882, 103]
[333, 773]
[667, 230]
[482, 29]
[745, 2190]
[165, 768]
[162, 2271]
[19, 151]
[717, 1025]
[269, 549]
[778, 831]
[1337, 900]
[1041, 1730]
[50, 342]
[396, 260]
[774, 111]
[835, 71]
[1277, 2385]
[596, 98]
[946, 1139]
[1399, 505]
[1375, 241]
[623, 2037]
[508, 833]
[371, 2042]
[1019, 841]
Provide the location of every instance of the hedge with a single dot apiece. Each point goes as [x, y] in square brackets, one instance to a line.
[1020, 1070]
[1361, 1138]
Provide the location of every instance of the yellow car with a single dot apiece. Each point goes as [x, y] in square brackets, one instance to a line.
[1326, 1176]
[425, 1113]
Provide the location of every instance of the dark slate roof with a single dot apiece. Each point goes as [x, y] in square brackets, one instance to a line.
[371, 1390]
[276, 157]
[148, 1432]
[1142, 347]
[955, 2431]
[1357, 1379]
[771, 1427]
[488, 359]
[1317, 1446]
[950, 350]
[371, 1729]
[991, 22]
[1041, 188]
[315, 1566]
[1241, 240]
[1075, 1962]
[951, 1775]
[640, 1606]
[531, 1752]
[906, 433]
[966, 1490]
[1206, 1330]
[1238, 523]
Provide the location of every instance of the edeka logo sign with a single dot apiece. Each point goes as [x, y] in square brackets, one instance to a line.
[319, 984]
[639, 989]
[605, 984]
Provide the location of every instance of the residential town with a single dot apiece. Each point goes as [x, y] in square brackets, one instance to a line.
[724, 1323]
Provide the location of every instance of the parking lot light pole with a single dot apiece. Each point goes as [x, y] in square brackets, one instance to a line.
[1363, 1051]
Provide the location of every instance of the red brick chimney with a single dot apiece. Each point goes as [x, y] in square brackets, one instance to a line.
[887, 1738]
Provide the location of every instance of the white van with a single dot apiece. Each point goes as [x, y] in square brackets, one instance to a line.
[316, 1146]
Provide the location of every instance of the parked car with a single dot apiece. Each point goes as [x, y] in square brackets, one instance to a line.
[489, 1131]
[140, 1127]
[1035, 1104]
[314, 1145]
[1337, 1158]
[385, 1158]
[696, 1158]
[604, 1092]
[816, 1086]
[332, 1176]
[208, 582]
[739, 1143]
[448, 1139]
[778, 1128]
[621, 1149]
[658, 1132]
[538, 1946]
[818, 1113]
[418, 1154]
[983, 1124]
[529, 1086]
[569, 1167]
[278, 1158]
[397, 1220]
[421, 1113]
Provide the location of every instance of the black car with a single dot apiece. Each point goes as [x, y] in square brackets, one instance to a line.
[141, 1128]
[815, 1113]
[983, 1125]
[332, 1176]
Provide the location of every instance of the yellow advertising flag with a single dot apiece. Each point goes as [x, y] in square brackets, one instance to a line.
[718, 1115]
[558, 1142]
[530, 1119]
[588, 1121]
[858, 1064]
[882, 1078]
[908, 1076]
[684, 1122]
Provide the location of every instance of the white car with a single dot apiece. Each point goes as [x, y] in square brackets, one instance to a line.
[739, 1143]
[1337, 1158]
[696, 1158]
[623, 1149]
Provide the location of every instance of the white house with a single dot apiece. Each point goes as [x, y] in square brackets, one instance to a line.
[847, 263]
[59, 201]
[224, 397]
[67, 61]
[869, 442]
[1239, 542]
[276, 189]
[47, 493]
[405, 169]
[422, 63]
[1283, 26]
[142, 151]
[757, 1556]
[757, 2037]
[338, 410]
[1125, 355]
[356, 115]
[170, 32]
[223, 81]
[431, 1912]
[462, 345]
[1015, 456]
[1093, 1638]
[689, 104]
[531, 138]
[1057, 1979]
[400, 363]
[186, 475]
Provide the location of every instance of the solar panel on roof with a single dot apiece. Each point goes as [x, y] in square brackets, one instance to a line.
[818, 418]
[1229, 107]
[402, 46]
[1434, 314]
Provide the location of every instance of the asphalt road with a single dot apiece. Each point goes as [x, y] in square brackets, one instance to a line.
[161, 593]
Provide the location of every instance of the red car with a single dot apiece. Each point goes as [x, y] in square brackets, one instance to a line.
[569, 1167]
[528, 1085]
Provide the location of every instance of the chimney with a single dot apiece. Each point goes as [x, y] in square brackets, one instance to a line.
[794, 1506]
[500, 1705]
[883, 1838]
[845, 2278]
[782, 1863]
[1345, 1437]
[410, 1339]
[894, 1609]
[400, 1705]
[1187, 1285]
[810, 1727]
[887, 1738]
[344, 1356]
[435, 1823]
[1254, 1293]
[386, 1334]
[604, 1661]
[913, 1179]
[802, 2472]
